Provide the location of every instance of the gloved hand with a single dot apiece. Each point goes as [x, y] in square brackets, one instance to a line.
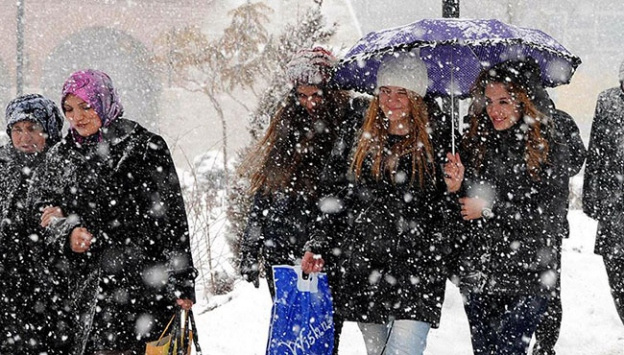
[250, 269]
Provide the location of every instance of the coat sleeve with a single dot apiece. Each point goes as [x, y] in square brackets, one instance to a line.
[570, 136]
[253, 236]
[603, 183]
[167, 215]
[46, 189]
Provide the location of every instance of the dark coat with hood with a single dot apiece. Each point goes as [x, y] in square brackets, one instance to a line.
[123, 188]
[516, 251]
[603, 187]
[382, 241]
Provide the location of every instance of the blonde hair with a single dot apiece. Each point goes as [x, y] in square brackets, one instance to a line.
[417, 145]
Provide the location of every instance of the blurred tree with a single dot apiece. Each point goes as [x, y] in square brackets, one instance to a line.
[216, 67]
[244, 43]
[203, 197]
[178, 48]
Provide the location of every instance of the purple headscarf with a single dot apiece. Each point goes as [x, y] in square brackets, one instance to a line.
[95, 88]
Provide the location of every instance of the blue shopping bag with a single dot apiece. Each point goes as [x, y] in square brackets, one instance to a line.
[302, 315]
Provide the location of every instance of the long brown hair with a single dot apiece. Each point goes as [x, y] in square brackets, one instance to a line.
[417, 145]
[538, 123]
[275, 161]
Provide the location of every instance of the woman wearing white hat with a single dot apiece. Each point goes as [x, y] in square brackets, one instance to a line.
[391, 253]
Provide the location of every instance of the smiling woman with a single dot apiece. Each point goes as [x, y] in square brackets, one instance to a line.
[519, 154]
[502, 108]
[394, 101]
[81, 116]
[388, 230]
[125, 236]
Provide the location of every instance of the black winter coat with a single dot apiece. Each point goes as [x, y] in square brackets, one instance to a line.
[29, 305]
[125, 191]
[280, 224]
[278, 227]
[516, 252]
[603, 186]
[385, 245]
[572, 149]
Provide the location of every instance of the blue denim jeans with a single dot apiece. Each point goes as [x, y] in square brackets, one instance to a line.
[397, 337]
[503, 324]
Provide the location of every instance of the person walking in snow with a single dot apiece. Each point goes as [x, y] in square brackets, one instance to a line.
[292, 164]
[125, 231]
[384, 241]
[28, 307]
[514, 192]
[603, 185]
[547, 333]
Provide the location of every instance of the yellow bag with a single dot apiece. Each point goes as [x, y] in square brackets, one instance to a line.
[183, 332]
[160, 346]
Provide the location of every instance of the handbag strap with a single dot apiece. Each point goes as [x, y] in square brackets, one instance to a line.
[184, 335]
[168, 324]
[194, 327]
[174, 338]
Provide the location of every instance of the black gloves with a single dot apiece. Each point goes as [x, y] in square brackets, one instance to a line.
[250, 269]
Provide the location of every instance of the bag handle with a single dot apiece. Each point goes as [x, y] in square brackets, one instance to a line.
[194, 327]
[174, 339]
[168, 324]
[183, 332]
[307, 282]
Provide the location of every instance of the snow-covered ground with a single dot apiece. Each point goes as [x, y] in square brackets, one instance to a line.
[590, 322]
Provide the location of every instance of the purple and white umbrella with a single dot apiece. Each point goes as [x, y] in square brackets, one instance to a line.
[455, 51]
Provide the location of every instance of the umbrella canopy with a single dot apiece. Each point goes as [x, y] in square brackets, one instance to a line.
[455, 51]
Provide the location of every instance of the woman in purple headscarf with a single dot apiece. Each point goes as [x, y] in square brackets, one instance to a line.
[125, 235]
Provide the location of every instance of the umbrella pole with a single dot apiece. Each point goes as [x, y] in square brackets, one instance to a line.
[452, 105]
[449, 104]
[453, 123]
[450, 8]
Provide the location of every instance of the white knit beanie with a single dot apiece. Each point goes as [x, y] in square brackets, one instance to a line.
[404, 70]
[311, 67]
[621, 73]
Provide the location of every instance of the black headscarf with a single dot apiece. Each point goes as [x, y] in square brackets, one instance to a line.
[38, 109]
